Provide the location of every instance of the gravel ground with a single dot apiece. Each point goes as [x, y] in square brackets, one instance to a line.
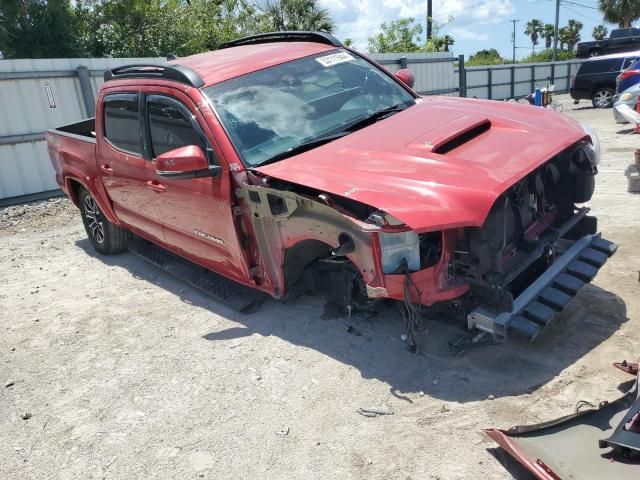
[125, 372]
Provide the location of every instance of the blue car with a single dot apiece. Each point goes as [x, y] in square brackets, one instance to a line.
[628, 77]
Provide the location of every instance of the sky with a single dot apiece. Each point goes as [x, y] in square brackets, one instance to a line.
[474, 24]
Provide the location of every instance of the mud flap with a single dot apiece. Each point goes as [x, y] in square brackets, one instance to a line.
[573, 446]
[539, 304]
[234, 295]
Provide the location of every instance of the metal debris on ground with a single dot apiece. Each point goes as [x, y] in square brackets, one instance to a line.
[284, 432]
[374, 411]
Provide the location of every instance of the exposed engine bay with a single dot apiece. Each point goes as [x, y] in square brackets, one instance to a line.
[493, 255]
[534, 251]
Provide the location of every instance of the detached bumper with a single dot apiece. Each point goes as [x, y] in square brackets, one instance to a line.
[537, 306]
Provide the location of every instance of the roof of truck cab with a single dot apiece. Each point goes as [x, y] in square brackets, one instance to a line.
[220, 65]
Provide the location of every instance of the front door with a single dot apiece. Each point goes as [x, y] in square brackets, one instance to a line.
[197, 213]
[127, 176]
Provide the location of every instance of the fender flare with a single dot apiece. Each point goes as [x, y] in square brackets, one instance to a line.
[94, 186]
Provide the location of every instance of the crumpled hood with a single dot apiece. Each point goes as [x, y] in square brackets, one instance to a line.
[441, 163]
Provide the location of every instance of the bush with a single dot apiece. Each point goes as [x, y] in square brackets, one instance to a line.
[546, 56]
[485, 57]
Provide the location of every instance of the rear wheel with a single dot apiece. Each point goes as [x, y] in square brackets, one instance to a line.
[105, 237]
[602, 97]
[594, 52]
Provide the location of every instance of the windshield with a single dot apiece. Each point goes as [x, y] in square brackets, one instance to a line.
[276, 110]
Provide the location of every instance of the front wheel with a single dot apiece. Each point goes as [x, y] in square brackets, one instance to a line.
[105, 237]
[602, 98]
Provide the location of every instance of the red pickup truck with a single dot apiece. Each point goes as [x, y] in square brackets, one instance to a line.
[287, 161]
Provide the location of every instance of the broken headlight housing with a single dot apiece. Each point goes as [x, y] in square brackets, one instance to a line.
[399, 248]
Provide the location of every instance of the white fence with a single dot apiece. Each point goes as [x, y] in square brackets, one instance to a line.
[36, 95]
[39, 94]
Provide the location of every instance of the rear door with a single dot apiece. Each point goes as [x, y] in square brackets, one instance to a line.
[196, 213]
[127, 176]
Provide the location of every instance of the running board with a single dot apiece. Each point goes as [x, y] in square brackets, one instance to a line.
[236, 296]
[540, 303]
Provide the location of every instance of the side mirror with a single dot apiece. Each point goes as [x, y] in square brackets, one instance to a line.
[185, 162]
[406, 76]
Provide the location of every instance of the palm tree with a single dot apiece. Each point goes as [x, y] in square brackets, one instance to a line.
[563, 35]
[548, 33]
[534, 29]
[297, 15]
[600, 32]
[573, 33]
[622, 12]
[447, 41]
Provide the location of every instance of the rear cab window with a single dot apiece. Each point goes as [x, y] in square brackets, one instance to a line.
[122, 121]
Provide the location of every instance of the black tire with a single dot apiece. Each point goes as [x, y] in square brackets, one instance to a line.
[105, 237]
[595, 52]
[602, 97]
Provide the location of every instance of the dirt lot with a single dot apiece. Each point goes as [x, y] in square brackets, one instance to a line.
[128, 373]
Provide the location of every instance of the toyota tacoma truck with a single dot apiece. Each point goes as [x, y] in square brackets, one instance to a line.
[290, 163]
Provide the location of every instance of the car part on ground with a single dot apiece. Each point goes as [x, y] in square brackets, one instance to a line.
[627, 113]
[595, 444]
[629, 98]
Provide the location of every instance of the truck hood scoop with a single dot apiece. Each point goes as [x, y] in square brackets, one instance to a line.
[439, 164]
[452, 134]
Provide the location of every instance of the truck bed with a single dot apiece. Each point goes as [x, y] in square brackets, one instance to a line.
[86, 129]
[73, 148]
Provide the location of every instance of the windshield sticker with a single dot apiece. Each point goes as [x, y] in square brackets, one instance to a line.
[334, 59]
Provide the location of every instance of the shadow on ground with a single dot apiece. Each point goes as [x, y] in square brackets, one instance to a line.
[377, 351]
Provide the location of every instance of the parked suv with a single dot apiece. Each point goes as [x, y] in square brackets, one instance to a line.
[596, 78]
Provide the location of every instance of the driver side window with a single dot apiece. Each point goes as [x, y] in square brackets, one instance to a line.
[170, 126]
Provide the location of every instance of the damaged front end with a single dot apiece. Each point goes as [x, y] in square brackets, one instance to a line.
[535, 250]
[594, 444]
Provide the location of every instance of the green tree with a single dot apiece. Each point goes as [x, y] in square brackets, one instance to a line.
[573, 33]
[548, 33]
[37, 29]
[534, 29]
[485, 57]
[563, 37]
[600, 32]
[447, 41]
[397, 36]
[297, 15]
[622, 12]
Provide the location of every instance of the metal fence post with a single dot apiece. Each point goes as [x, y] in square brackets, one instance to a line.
[403, 62]
[513, 81]
[533, 78]
[462, 77]
[490, 82]
[87, 91]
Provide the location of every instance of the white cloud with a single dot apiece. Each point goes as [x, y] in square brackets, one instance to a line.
[360, 19]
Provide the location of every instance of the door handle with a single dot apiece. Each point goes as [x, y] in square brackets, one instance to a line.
[106, 169]
[156, 187]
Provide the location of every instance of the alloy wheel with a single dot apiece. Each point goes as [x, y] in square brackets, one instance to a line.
[603, 98]
[94, 219]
